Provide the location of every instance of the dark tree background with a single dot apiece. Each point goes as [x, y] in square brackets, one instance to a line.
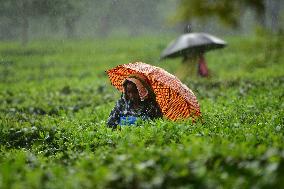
[97, 18]
[229, 12]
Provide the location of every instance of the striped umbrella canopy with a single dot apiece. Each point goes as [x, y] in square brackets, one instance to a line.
[176, 100]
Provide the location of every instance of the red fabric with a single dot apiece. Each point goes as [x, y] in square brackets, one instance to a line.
[202, 67]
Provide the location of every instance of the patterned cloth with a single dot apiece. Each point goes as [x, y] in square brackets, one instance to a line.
[149, 109]
[143, 92]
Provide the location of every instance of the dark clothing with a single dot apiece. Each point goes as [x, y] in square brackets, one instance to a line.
[149, 109]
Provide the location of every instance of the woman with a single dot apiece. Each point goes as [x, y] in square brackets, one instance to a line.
[137, 101]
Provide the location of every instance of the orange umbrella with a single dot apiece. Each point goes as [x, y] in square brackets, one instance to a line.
[175, 99]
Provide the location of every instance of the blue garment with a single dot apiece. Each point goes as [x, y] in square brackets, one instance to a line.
[127, 120]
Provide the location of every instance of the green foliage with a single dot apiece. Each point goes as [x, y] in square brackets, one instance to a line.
[55, 99]
[227, 11]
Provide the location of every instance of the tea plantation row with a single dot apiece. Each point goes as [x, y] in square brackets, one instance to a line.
[55, 99]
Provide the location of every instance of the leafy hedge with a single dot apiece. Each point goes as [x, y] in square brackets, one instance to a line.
[55, 98]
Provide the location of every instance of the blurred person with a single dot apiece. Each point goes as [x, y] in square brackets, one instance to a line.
[195, 60]
[137, 101]
[193, 64]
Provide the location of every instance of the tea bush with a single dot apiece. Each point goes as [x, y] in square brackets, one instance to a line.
[55, 98]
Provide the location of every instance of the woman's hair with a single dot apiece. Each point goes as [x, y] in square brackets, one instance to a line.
[126, 82]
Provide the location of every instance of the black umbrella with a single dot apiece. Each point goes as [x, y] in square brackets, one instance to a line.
[192, 43]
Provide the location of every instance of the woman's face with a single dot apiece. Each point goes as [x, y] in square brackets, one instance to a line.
[131, 92]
